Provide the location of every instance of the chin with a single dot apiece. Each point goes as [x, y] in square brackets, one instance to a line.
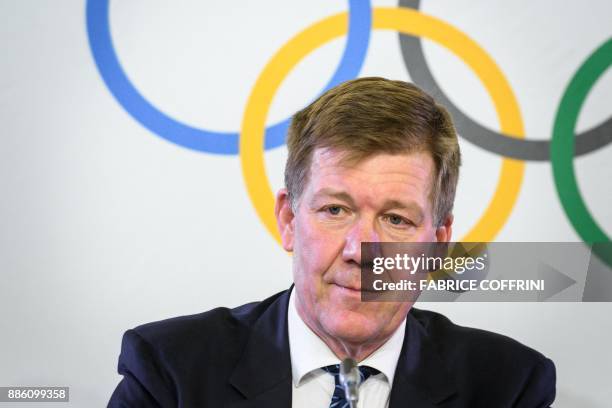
[352, 326]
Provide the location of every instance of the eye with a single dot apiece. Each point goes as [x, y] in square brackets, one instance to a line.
[397, 221]
[334, 209]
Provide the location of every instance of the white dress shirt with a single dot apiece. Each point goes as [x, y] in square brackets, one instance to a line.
[313, 387]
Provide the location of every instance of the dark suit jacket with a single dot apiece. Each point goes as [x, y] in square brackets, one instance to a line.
[239, 358]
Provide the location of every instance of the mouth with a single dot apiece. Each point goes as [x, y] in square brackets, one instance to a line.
[351, 289]
[347, 288]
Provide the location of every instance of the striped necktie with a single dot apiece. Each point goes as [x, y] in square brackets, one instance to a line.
[339, 399]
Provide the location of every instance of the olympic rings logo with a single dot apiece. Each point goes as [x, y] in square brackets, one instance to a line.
[254, 138]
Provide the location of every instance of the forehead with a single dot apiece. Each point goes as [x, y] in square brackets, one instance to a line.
[402, 175]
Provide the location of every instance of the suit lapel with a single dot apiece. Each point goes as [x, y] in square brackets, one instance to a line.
[263, 374]
[421, 378]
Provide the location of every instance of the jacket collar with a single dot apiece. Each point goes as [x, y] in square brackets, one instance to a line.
[263, 373]
[421, 376]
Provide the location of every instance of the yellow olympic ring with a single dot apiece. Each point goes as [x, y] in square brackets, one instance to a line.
[411, 22]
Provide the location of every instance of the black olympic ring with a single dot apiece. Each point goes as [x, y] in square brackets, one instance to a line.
[487, 139]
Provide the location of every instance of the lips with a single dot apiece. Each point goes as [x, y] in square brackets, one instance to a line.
[355, 288]
[347, 285]
[350, 287]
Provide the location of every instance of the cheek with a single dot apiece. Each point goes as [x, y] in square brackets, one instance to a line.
[315, 250]
[315, 241]
[426, 234]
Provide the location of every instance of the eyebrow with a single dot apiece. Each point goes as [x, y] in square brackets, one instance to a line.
[414, 208]
[330, 192]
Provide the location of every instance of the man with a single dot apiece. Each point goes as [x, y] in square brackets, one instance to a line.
[371, 160]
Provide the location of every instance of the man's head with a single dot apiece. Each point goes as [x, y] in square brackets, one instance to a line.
[370, 160]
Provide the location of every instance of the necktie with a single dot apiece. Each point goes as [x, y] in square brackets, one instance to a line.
[339, 399]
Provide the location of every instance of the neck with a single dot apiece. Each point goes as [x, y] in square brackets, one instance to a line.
[344, 348]
[358, 352]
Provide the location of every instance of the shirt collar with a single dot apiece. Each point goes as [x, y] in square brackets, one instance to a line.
[308, 352]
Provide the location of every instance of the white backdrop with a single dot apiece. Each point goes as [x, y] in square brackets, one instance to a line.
[105, 225]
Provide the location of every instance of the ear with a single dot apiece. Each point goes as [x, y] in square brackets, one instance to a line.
[285, 218]
[445, 231]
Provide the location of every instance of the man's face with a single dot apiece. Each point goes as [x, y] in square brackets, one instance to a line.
[382, 198]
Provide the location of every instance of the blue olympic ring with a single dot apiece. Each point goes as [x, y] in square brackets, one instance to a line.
[101, 44]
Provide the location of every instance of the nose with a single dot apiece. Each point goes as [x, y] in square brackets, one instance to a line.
[363, 230]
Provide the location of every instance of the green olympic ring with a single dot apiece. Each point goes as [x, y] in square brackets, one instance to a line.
[562, 150]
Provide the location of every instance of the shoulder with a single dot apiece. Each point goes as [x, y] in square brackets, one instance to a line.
[182, 358]
[453, 339]
[489, 366]
[219, 325]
